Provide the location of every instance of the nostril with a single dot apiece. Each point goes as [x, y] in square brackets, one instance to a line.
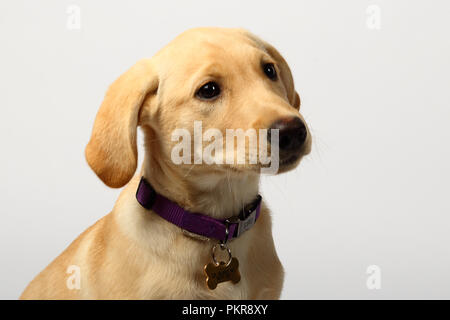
[285, 141]
[302, 133]
[292, 133]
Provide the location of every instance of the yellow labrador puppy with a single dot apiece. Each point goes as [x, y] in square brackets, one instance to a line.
[227, 79]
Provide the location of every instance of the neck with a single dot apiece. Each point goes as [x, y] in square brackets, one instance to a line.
[217, 194]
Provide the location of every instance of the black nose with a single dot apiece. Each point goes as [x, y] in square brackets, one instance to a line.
[292, 133]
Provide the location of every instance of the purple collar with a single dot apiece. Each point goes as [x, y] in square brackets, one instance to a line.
[197, 223]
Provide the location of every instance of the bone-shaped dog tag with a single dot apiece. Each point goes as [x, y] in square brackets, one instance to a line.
[217, 273]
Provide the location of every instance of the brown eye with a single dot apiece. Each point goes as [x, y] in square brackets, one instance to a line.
[270, 71]
[208, 91]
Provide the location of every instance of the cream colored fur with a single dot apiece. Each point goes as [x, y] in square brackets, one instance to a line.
[132, 253]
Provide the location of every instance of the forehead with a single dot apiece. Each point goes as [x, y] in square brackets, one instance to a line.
[210, 49]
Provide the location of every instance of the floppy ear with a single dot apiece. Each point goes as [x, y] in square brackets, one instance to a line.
[112, 151]
[297, 101]
[285, 71]
[286, 75]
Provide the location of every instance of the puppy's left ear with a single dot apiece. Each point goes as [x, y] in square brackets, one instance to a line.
[286, 76]
[297, 101]
[112, 151]
[285, 71]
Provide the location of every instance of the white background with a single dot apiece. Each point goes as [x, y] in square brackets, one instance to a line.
[375, 190]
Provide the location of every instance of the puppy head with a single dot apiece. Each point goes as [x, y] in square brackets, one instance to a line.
[225, 79]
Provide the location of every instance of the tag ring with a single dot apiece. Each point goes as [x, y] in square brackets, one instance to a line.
[223, 247]
[227, 233]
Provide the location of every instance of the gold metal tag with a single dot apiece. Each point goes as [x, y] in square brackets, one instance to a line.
[217, 273]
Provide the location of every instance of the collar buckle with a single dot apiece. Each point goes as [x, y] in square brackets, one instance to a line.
[246, 224]
[247, 218]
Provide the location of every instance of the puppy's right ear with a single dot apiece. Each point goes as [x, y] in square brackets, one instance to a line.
[112, 151]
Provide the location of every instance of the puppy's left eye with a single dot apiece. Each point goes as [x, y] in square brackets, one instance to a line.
[270, 71]
[208, 91]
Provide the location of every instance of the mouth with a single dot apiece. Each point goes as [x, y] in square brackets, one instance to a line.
[285, 164]
[289, 160]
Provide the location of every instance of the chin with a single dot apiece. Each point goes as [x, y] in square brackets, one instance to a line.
[289, 165]
[291, 162]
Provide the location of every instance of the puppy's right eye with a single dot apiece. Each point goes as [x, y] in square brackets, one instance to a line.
[208, 91]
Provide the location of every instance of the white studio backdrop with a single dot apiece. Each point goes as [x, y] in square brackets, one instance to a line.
[372, 200]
